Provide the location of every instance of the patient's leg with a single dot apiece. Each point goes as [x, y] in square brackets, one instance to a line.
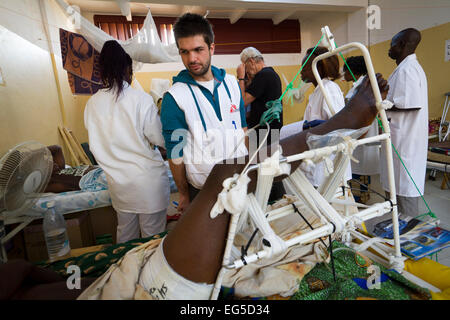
[194, 248]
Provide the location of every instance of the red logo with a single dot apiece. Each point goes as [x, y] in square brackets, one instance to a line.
[233, 108]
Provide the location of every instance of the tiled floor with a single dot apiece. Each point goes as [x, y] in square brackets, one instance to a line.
[439, 202]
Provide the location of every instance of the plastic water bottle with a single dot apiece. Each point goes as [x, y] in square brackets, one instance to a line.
[55, 232]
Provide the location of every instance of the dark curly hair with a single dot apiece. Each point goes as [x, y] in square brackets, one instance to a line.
[191, 24]
[357, 65]
[116, 66]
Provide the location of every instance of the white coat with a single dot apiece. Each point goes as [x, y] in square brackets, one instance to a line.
[368, 156]
[317, 109]
[409, 129]
[215, 140]
[120, 133]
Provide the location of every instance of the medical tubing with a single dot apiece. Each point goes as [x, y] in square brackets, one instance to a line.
[366, 186]
[290, 83]
[345, 61]
[393, 147]
[257, 150]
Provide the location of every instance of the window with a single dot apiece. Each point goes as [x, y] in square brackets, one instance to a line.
[230, 38]
[118, 27]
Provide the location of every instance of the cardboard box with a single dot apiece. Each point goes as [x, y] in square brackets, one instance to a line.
[79, 230]
[104, 221]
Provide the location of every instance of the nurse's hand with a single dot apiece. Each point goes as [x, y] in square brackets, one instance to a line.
[183, 203]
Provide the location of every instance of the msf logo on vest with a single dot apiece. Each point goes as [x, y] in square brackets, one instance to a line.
[198, 146]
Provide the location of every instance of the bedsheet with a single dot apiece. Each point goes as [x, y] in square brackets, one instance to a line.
[93, 194]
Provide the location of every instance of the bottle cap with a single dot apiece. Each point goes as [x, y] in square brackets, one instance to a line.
[50, 204]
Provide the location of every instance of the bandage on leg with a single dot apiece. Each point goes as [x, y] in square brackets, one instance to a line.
[163, 283]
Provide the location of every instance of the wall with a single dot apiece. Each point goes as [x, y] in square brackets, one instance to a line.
[287, 64]
[432, 18]
[284, 64]
[29, 106]
[430, 54]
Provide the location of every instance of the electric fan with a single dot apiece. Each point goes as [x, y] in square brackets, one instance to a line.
[25, 171]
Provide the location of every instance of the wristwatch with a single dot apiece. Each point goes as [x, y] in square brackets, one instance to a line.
[241, 79]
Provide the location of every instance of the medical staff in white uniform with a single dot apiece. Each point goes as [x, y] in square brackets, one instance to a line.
[408, 122]
[202, 114]
[367, 155]
[123, 127]
[317, 108]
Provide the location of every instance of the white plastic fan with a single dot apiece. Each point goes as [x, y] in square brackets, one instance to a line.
[25, 172]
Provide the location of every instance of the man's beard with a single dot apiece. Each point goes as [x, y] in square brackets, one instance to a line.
[203, 70]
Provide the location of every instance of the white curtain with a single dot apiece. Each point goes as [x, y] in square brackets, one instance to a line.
[145, 46]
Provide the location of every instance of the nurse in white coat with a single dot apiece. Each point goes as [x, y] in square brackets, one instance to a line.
[317, 108]
[123, 125]
[367, 155]
[408, 122]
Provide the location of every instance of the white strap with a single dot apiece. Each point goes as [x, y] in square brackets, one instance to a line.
[269, 169]
[277, 245]
[232, 198]
[385, 104]
[350, 146]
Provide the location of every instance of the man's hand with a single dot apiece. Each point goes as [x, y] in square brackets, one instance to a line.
[240, 71]
[361, 108]
[183, 203]
[179, 176]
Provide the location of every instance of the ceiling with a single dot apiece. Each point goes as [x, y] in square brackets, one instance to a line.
[229, 9]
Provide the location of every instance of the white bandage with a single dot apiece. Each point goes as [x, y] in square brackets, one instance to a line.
[163, 283]
[385, 104]
[232, 198]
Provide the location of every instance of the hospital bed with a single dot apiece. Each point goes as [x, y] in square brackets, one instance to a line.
[67, 202]
[439, 160]
[318, 201]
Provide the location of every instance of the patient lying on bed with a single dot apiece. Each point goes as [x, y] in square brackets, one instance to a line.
[185, 264]
[64, 179]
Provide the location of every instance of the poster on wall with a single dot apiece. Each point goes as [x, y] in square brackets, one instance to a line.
[80, 60]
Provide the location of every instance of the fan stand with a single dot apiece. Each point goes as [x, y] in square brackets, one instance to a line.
[3, 255]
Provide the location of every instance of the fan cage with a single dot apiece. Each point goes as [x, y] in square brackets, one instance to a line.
[15, 167]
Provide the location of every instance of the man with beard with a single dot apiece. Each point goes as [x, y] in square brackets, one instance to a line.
[202, 114]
